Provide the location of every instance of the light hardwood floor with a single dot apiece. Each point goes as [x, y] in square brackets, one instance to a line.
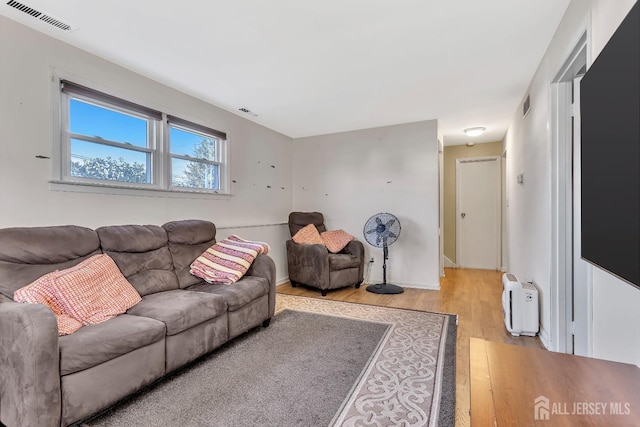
[474, 295]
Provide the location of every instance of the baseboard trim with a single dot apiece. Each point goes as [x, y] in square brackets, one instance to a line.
[448, 263]
[544, 338]
[428, 286]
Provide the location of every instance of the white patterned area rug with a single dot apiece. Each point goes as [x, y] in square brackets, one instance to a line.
[410, 379]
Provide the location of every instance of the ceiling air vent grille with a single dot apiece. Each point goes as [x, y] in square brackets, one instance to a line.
[247, 111]
[41, 16]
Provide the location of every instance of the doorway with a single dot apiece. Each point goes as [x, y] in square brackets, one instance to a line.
[478, 212]
[570, 281]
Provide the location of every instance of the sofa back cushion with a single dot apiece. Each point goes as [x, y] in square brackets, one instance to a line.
[188, 239]
[141, 252]
[27, 253]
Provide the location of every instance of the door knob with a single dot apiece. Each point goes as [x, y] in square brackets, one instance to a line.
[463, 214]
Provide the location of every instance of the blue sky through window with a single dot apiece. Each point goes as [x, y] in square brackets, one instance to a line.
[91, 120]
[186, 143]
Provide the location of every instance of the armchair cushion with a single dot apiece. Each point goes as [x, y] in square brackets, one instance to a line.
[308, 235]
[297, 220]
[342, 261]
[336, 240]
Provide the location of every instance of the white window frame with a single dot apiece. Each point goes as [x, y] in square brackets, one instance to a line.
[153, 127]
[194, 128]
[158, 146]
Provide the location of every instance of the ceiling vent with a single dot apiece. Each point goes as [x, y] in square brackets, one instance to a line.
[247, 111]
[40, 15]
[526, 105]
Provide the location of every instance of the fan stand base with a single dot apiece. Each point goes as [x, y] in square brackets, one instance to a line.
[385, 288]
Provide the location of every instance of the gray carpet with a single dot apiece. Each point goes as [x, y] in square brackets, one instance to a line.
[320, 363]
[296, 372]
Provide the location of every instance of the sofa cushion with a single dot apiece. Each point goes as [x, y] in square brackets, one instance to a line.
[228, 260]
[187, 240]
[27, 253]
[240, 294]
[141, 252]
[96, 344]
[342, 261]
[308, 235]
[336, 240]
[179, 310]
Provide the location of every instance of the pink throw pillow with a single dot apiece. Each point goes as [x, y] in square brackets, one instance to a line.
[94, 290]
[42, 291]
[308, 235]
[336, 240]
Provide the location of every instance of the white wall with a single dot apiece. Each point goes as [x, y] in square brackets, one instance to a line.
[259, 157]
[615, 313]
[351, 176]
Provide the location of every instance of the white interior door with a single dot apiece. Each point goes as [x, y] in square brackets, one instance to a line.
[581, 291]
[478, 213]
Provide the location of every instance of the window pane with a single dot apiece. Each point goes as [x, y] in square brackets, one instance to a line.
[97, 161]
[192, 144]
[193, 174]
[91, 120]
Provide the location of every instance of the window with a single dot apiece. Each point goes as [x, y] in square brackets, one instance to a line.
[195, 155]
[109, 141]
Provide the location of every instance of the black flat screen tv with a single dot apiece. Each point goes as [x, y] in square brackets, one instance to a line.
[610, 154]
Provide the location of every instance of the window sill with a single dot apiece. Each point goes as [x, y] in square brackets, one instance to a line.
[123, 190]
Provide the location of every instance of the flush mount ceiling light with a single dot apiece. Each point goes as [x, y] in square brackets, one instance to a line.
[475, 131]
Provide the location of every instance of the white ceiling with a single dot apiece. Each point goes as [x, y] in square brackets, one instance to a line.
[310, 68]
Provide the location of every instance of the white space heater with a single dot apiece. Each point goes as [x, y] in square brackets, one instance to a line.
[520, 306]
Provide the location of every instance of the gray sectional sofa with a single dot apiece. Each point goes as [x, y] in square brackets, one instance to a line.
[46, 380]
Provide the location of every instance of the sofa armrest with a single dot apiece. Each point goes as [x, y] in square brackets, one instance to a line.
[29, 365]
[308, 264]
[263, 266]
[356, 248]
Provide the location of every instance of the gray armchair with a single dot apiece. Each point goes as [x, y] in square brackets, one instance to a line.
[315, 266]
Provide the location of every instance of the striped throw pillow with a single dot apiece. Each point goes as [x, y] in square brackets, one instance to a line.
[227, 260]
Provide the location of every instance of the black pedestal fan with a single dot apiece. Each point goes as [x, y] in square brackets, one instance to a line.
[381, 230]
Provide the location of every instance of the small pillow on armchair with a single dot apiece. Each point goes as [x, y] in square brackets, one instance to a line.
[336, 240]
[308, 235]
